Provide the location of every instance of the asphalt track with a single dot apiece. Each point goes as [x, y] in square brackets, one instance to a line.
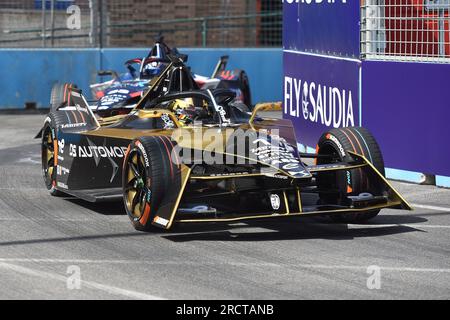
[42, 240]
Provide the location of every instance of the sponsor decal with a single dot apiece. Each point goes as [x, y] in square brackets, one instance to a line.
[73, 150]
[229, 174]
[326, 167]
[161, 221]
[61, 171]
[223, 115]
[99, 152]
[61, 145]
[279, 176]
[74, 125]
[144, 154]
[319, 103]
[93, 151]
[349, 178]
[275, 201]
[312, 2]
[338, 144]
[114, 96]
[168, 123]
[62, 185]
[279, 154]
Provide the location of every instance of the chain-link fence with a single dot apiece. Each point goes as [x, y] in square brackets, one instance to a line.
[406, 30]
[135, 23]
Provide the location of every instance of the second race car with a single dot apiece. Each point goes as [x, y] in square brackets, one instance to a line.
[121, 94]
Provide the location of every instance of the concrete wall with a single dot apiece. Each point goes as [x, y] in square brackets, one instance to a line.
[28, 75]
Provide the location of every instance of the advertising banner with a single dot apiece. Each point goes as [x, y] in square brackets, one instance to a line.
[322, 26]
[407, 108]
[320, 93]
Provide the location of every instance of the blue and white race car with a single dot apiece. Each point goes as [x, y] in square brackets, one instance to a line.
[121, 94]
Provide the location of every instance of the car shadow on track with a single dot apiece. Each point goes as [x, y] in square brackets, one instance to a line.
[115, 208]
[275, 230]
[286, 229]
[294, 229]
[130, 234]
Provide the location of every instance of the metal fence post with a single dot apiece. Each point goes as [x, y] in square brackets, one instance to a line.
[44, 27]
[52, 23]
[204, 32]
[101, 24]
[441, 32]
[92, 28]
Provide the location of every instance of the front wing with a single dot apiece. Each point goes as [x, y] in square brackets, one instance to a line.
[294, 198]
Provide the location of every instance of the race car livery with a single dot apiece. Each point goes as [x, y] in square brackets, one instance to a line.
[224, 165]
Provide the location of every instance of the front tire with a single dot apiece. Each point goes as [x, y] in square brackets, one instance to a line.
[149, 173]
[337, 142]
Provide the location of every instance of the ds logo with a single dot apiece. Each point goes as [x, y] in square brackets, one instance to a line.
[73, 151]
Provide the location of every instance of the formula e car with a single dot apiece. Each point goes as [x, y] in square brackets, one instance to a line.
[121, 94]
[222, 165]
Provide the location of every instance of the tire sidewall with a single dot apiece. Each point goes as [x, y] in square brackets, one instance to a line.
[49, 124]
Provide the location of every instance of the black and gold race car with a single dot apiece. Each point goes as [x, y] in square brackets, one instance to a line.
[186, 155]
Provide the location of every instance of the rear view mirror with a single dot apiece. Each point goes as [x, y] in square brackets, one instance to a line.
[112, 73]
[265, 107]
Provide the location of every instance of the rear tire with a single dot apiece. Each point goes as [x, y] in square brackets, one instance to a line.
[244, 85]
[59, 95]
[49, 148]
[337, 142]
[153, 176]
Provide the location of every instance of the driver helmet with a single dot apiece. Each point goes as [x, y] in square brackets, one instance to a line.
[153, 69]
[184, 109]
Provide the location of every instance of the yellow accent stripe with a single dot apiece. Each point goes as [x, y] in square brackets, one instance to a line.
[405, 203]
[299, 199]
[231, 176]
[343, 167]
[286, 203]
[180, 195]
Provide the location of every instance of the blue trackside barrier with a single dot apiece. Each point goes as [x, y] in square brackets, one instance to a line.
[329, 82]
[28, 75]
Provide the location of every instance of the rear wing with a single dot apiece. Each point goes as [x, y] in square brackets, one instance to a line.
[77, 105]
[221, 66]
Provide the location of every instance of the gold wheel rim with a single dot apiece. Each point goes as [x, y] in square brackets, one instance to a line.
[48, 156]
[135, 188]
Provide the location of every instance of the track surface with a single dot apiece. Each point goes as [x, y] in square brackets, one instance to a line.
[42, 236]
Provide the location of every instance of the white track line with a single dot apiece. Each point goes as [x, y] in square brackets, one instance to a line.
[186, 263]
[413, 194]
[89, 284]
[416, 226]
[434, 208]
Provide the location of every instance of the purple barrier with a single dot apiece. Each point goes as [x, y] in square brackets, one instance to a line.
[320, 93]
[326, 27]
[407, 108]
